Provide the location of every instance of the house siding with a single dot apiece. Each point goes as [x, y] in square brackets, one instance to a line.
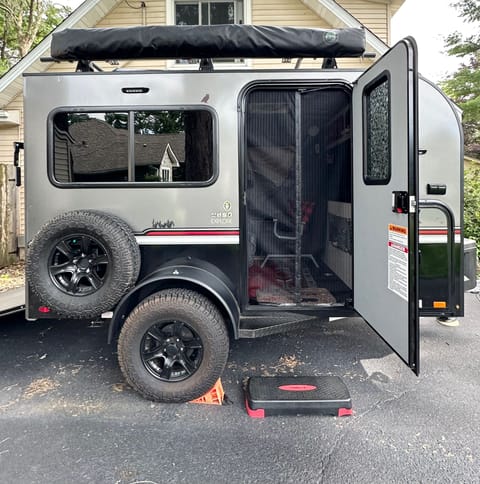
[375, 16]
[291, 13]
[284, 13]
[7, 137]
[124, 16]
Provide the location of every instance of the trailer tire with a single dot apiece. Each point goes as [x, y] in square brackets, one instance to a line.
[81, 263]
[173, 346]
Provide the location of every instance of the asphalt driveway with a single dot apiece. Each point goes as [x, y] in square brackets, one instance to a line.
[67, 416]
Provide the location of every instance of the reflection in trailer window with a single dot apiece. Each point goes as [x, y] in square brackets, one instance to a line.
[377, 132]
[164, 146]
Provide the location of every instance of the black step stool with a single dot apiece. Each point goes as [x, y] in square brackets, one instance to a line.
[288, 395]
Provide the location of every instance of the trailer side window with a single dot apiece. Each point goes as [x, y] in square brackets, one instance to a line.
[376, 135]
[157, 147]
[90, 147]
[173, 146]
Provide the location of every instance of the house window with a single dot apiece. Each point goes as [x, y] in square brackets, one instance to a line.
[219, 12]
[165, 175]
[162, 146]
[208, 13]
[377, 162]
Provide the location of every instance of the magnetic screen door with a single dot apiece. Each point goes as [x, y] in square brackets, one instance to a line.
[296, 178]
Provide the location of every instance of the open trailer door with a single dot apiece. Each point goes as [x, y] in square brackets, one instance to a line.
[385, 189]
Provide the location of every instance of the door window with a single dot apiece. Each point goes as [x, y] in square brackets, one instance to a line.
[377, 142]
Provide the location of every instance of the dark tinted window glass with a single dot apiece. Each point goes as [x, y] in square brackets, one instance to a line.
[222, 13]
[377, 159]
[173, 146]
[208, 13]
[168, 147]
[186, 14]
[90, 147]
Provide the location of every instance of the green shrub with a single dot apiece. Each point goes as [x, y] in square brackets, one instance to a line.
[472, 203]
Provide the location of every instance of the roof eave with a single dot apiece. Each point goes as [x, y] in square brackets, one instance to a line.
[338, 17]
[90, 12]
[87, 14]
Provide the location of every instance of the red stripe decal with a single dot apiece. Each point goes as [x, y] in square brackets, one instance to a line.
[260, 413]
[297, 388]
[193, 232]
[436, 232]
[344, 412]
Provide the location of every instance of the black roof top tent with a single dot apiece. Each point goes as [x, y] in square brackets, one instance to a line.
[205, 41]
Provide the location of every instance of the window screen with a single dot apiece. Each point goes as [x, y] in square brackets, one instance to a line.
[377, 129]
[165, 146]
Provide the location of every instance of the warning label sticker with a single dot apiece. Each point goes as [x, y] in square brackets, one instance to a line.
[398, 260]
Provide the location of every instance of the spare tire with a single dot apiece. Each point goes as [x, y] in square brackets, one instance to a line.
[81, 263]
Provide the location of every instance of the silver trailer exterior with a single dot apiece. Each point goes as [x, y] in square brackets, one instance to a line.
[195, 237]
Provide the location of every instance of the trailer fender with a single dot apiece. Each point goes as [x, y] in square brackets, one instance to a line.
[214, 286]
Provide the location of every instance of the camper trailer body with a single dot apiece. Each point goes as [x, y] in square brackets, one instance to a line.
[286, 222]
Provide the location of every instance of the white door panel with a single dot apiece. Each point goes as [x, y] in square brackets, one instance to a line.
[385, 155]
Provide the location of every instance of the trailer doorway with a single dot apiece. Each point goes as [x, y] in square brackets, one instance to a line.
[298, 184]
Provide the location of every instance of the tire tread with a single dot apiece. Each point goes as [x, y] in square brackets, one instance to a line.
[217, 336]
[121, 244]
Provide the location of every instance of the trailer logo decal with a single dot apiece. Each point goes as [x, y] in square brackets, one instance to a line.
[158, 224]
[222, 217]
[330, 37]
[398, 260]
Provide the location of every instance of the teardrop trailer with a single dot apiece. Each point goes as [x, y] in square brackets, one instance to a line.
[192, 207]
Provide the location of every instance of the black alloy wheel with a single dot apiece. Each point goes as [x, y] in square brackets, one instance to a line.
[173, 346]
[78, 265]
[171, 351]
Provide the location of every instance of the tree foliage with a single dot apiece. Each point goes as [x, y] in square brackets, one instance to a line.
[463, 86]
[472, 203]
[150, 122]
[23, 24]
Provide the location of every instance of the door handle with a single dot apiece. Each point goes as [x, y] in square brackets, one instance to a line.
[400, 202]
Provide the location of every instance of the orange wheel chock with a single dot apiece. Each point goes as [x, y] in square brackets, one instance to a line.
[214, 396]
